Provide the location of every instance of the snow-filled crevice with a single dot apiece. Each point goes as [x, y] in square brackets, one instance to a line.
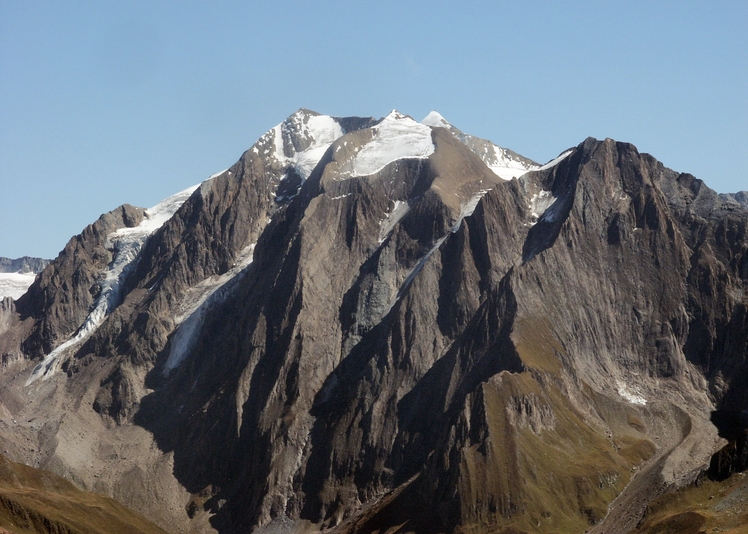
[199, 300]
[399, 211]
[413, 273]
[417, 268]
[125, 245]
[468, 207]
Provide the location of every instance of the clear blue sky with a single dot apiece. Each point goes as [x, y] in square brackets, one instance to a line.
[106, 102]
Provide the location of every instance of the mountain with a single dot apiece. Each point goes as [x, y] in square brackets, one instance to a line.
[23, 265]
[17, 275]
[369, 325]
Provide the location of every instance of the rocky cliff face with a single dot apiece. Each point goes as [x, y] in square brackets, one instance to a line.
[362, 324]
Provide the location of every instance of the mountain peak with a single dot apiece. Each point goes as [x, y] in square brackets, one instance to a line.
[396, 115]
[435, 120]
[303, 112]
[396, 136]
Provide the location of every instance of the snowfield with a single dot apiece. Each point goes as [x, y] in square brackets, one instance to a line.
[14, 285]
[396, 137]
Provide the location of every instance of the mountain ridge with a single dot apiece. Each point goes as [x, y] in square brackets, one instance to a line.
[358, 345]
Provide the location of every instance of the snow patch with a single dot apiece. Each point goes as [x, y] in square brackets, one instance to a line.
[126, 244]
[539, 203]
[213, 290]
[14, 285]
[396, 137]
[556, 161]
[320, 130]
[400, 210]
[501, 162]
[504, 166]
[216, 175]
[630, 393]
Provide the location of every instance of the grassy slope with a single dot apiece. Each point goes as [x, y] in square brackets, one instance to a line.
[708, 507]
[557, 477]
[32, 500]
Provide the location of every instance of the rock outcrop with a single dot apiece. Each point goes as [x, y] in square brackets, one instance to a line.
[362, 325]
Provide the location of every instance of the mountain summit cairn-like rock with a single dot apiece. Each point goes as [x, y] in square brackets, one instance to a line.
[389, 325]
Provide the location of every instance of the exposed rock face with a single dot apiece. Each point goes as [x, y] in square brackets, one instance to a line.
[60, 299]
[361, 325]
[740, 198]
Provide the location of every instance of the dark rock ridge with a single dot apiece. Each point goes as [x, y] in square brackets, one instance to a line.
[326, 335]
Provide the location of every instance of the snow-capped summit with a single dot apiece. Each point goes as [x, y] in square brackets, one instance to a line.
[299, 142]
[301, 139]
[435, 120]
[397, 136]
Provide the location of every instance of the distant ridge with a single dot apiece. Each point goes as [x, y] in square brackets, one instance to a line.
[16, 276]
[26, 264]
[741, 197]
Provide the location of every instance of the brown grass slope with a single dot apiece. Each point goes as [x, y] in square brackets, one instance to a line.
[32, 500]
[708, 506]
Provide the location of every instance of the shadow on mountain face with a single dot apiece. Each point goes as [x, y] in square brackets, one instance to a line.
[733, 457]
